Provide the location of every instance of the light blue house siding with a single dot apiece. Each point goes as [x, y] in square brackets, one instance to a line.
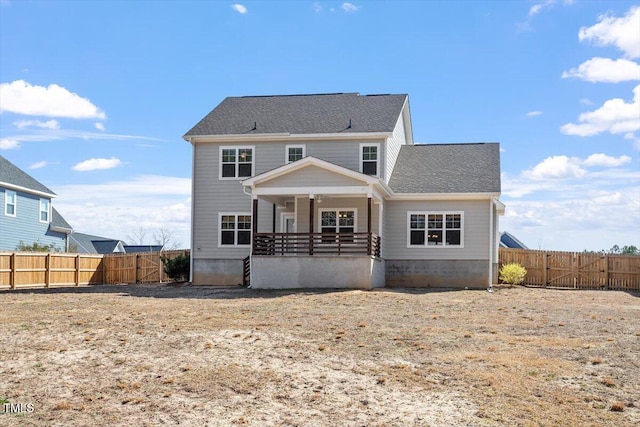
[25, 226]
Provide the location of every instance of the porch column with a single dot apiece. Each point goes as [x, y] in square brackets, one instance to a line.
[369, 237]
[311, 208]
[273, 219]
[254, 221]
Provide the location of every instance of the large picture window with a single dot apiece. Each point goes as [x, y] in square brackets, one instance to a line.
[235, 229]
[435, 229]
[10, 203]
[236, 162]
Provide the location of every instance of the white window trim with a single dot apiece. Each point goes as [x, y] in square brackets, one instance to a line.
[236, 147]
[370, 144]
[286, 151]
[6, 203]
[48, 211]
[355, 217]
[426, 213]
[283, 217]
[235, 238]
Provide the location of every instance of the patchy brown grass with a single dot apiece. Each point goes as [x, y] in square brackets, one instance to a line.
[163, 354]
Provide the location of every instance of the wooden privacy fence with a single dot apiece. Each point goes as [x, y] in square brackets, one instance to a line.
[28, 269]
[576, 270]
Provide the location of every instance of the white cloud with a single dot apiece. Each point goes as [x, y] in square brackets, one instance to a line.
[97, 164]
[99, 126]
[9, 144]
[57, 134]
[241, 9]
[317, 7]
[349, 7]
[49, 124]
[52, 101]
[533, 113]
[615, 116]
[537, 8]
[39, 165]
[586, 101]
[619, 32]
[556, 167]
[605, 70]
[118, 209]
[601, 159]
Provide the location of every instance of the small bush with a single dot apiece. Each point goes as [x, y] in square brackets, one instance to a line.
[177, 268]
[513, 274]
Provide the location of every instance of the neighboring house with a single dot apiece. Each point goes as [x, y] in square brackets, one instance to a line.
[508, 240]
[88, 244]
[27, 215]
[329, 190]
[130, 249]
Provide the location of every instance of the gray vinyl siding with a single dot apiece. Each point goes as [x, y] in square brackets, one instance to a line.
[312, 176]
[393, 147]
[358, 203]
[476, 230]
[26, 225]
[212, 195]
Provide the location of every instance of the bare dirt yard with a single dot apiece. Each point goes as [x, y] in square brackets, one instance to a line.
[146, 355]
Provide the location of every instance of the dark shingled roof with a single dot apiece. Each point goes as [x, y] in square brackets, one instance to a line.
[58, 221]
[447, 168]
[11, 174]
[88, 244]
[302, 114]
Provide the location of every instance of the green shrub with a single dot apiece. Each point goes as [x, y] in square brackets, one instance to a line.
[37, 247]
[513, 273]
[177, 268]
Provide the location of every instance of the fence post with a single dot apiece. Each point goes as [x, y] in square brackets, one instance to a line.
[77, 278]
[545, 269]
[135, 264]
[47, 272]
[12, 273]
[606, 272]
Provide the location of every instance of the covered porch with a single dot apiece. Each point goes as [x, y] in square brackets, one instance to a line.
[330, 233]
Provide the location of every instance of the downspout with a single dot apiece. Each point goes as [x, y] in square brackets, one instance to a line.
[193, 204]
[491, 239]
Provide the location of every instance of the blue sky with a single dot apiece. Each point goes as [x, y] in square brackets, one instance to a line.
[95, 97]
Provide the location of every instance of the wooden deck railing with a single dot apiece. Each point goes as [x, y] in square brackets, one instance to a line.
[316, 244]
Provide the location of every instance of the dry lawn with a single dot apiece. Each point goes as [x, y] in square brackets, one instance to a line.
[177, 354]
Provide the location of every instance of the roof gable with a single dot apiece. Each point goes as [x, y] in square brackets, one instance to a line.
[16, 178]
[447, 168]
[302, 114]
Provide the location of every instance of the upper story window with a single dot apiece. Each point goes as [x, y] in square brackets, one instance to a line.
[435, 229]
[235, 229]
[294, 153]
[45, 208]
[236, 162]
[10, 201]
[370, 159]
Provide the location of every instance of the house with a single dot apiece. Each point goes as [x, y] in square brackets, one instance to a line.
[508, 240]
[28, 216]
[329, 190]
[131, 249]
[88, 244]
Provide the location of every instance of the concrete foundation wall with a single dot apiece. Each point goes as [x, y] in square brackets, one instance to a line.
[268, 272]
[437, 273]
[222, 272]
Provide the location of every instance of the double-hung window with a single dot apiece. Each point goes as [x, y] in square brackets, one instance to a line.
[435, 229]
[44, 210]
[10, 198]
[370, 159]
[294, 153]
[236, 162]
[235, 229]
[337, 221]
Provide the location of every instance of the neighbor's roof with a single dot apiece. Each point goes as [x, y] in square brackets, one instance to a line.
[130, 249]
[14, 176]
[302, 114]
[508, 240]
[447, 168]
[58, 221]
[88, 244]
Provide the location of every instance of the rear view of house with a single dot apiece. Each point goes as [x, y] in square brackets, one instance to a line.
[330, 190]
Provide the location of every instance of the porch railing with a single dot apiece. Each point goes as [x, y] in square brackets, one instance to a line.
[316, 244]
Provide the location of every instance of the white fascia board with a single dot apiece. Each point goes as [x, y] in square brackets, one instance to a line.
[299, 191]
[27, 190]
[500, 207]
[442, 196]
[287, 136]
